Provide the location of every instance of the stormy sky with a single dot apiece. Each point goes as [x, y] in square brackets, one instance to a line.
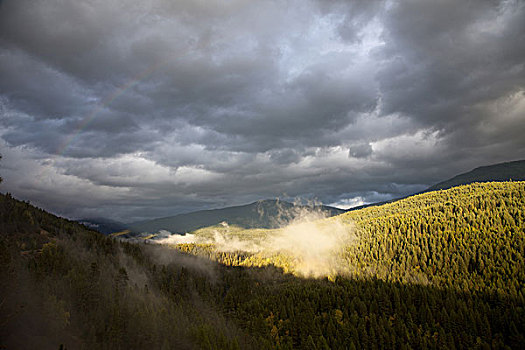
[139, 109]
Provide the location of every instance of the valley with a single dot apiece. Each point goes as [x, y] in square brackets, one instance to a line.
[442, 269]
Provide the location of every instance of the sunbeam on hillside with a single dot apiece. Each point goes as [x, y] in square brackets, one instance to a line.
[311, 245]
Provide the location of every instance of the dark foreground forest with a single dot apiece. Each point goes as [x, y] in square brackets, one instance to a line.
[441, 270]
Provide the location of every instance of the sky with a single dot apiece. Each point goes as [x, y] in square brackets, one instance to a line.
[132, 110]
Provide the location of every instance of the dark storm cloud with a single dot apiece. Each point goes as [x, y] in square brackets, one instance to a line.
[220, 79]
[444, 57]
[155, 107]
[457, 68]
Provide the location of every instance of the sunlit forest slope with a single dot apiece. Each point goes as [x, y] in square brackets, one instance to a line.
[469, 237]
[443, 269]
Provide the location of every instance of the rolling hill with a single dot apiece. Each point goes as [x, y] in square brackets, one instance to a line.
[260, 214]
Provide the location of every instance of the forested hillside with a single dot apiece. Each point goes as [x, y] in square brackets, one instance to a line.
[63, 286]
[443, 269]
[464, 244]
[469, 237]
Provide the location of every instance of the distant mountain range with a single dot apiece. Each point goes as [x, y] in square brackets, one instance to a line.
[498, 172]
[274, 213]
[268, 213]
[260, 214]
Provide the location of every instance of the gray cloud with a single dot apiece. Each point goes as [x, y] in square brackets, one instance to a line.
[149, 108]
[360, 150]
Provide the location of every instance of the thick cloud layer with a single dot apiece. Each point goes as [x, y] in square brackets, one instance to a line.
[138, 109]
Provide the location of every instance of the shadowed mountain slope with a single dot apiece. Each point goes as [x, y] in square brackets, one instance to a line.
[514, 171]
[260, 214]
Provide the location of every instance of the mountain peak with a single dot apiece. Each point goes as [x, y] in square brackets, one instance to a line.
[265, 213]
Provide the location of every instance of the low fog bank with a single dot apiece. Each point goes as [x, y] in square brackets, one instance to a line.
[312, 241]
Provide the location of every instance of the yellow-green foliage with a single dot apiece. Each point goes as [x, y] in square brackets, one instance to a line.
[469, 237]
[234, 231]
[448, 258]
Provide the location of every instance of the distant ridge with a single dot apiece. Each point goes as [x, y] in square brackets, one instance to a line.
[271, 213]
[514, 171]
[498, 172]
[261, 214]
